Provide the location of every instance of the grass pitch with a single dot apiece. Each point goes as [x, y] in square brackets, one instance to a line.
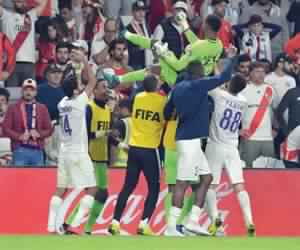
[144, 243]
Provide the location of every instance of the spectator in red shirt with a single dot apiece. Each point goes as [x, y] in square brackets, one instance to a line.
[4, 98]
[46, 47]
[225, 32]
[7, 58]
[5, 151]
[27, 123]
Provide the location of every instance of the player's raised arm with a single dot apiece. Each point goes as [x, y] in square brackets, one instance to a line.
[79, 56]
[138, 40]
[183, 22]
[41, 5]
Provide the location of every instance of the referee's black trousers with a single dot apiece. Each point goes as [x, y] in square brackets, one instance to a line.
[146, 161]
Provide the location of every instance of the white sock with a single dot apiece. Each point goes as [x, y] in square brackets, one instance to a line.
[54, 206]
[174, 215]
[85, 205]
[115, 222]
[195, 214]
[211, 203]
[244, 201]
[143, 223]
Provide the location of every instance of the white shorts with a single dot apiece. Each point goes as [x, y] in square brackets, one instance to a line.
[290, 149]
[191, 162]
[219, 157]
[75, 170]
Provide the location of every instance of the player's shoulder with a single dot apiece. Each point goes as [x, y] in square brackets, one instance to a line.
[242, 98]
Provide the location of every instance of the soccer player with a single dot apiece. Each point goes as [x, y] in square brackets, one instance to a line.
[222, 149]
[98, 119]
[190, 100]
[75, 168]
[206, 51]
[290, 149]
[147, 123]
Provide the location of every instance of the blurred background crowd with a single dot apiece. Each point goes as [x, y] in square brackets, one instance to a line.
[36, 37]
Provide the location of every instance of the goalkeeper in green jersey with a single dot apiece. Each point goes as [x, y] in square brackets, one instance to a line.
[206, 51]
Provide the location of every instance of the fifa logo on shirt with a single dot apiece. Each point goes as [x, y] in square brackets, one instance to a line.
[147, 115]
[103, 125]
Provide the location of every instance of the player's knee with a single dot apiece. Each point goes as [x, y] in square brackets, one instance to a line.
[206, 179]
[195, 187]
[128, 188]
[101, 195]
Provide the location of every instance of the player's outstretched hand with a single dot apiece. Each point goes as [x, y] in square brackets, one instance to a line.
[125, 34]
[112, 79]
[244, 133]
[160, 48]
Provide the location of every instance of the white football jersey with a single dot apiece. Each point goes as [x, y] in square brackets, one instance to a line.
[226, 118]
[73, 130]
[254, 95]
[12, 23]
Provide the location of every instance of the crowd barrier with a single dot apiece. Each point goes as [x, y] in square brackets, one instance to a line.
[25, 194]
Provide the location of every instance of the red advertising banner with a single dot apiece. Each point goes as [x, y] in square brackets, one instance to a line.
[25, 195]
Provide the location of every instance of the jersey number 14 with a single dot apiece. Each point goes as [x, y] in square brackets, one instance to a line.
[66, 125]
[231, 120]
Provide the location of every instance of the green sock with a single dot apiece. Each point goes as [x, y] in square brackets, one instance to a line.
[138, 40]
[168, 204]
[187, 207]
[101, 177]
[131, 77]
[73, 214]
[94, 213]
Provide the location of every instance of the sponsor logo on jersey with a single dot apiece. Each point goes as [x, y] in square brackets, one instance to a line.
[102, 125]
[147, 115]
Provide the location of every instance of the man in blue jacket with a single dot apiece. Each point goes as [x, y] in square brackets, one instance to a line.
[190, 100]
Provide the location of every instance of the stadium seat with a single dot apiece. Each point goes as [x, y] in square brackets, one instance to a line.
[5, 149]
[15, 93]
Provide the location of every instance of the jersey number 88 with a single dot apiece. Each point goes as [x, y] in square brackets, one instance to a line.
[231, 120]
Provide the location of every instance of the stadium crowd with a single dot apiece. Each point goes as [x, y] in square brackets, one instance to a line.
[36, 44]
[130, 55]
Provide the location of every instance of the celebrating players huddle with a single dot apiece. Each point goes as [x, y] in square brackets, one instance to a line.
[183, 119]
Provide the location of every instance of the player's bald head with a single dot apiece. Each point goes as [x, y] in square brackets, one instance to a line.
[150, 83]
[213, 23]
[195, 70]
[237, 84]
